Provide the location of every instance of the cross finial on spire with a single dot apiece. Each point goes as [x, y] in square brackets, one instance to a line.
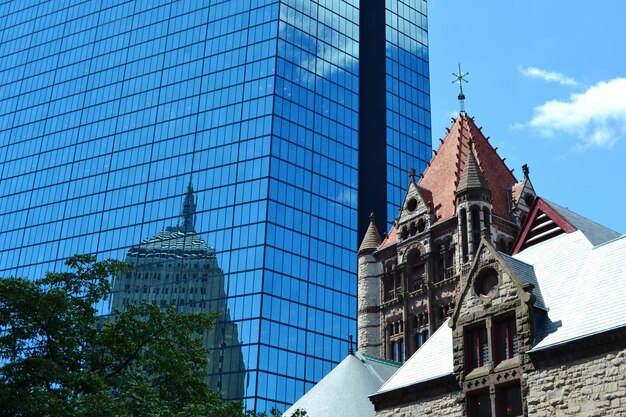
[460, 78]
[350, 343]
[412, 173]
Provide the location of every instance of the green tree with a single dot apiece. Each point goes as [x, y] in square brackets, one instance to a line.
[59, 358]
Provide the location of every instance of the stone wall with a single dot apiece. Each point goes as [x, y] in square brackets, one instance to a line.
[591, 387]
[449, 405]
[368, 302]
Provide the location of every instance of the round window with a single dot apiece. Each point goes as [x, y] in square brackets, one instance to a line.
[486, 283]
[411, 205]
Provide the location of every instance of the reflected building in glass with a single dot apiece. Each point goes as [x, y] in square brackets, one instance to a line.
[177, 267]
[108, 108]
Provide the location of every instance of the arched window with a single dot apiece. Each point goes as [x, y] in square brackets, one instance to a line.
[463, 220]
[417, 269]
[475, 228]
[487, 218]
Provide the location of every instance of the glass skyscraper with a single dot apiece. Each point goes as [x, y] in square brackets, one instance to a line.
[112, 111]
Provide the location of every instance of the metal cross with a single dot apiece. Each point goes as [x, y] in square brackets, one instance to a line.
[460, 78]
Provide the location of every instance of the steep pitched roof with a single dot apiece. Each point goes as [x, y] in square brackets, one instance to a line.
[584, 287]
[526, 274]
[346, 388]
[372, 239]
[548, 220]
[444, 171]
[594, 232]
[390, 239]
[433, 360]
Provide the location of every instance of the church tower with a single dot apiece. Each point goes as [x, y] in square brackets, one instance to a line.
[473, 205]
[423, 259]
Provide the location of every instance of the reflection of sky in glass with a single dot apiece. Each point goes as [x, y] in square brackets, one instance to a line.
[108, 109]
[408, 95]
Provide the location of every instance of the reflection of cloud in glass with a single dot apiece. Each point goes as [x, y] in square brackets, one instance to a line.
[176, 266]
[326, 48]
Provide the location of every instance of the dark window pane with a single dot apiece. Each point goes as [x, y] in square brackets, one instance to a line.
[505, 339]
[477, 349]
[479, 405]
[510, 401]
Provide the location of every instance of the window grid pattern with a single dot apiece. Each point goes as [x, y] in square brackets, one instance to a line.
[408, 96]
[108, 111]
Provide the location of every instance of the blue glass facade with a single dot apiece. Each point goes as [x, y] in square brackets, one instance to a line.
[407, 87]
[109, 109]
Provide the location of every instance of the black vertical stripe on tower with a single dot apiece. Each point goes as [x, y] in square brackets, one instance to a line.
[372, 117]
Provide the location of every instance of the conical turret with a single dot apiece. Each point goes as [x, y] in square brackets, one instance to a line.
[372, 239]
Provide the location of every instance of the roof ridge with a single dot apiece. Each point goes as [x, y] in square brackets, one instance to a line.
[379, 359]
[622, 236]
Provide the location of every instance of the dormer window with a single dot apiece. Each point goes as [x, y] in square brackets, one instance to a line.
[505, 339]
[477, 347]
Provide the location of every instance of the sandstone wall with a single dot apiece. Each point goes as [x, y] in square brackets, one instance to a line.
[591, 387]
[448, 405]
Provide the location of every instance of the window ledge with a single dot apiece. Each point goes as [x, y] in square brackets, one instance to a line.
[507, 364]
[478, 372]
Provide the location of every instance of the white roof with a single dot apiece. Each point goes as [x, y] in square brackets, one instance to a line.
[431, 361]
[346, 389]
[584, 287]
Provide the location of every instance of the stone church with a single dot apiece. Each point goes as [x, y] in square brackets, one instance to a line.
[408, 281]
[495, 302]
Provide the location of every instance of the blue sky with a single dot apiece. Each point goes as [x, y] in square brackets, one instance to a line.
[547, 82]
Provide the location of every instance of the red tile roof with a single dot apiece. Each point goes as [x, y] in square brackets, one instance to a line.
[439, 182]
[516, 191]
[390, 239]
[442, 175]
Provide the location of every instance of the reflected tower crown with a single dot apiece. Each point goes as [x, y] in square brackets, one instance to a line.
[188, 211]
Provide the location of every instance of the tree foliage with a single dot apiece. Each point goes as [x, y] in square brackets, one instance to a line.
[59, 358]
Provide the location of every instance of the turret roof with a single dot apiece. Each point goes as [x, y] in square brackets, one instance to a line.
[372, 238]
[472, 176]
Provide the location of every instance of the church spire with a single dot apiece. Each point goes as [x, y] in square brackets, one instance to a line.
[188, 212]
[472, 177]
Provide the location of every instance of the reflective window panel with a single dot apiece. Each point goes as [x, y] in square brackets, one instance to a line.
[214, 145]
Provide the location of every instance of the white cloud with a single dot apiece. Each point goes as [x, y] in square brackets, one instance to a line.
[548, 76]
[596, 117]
